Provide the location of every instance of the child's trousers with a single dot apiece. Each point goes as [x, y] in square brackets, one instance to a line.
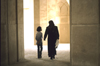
[39, 48]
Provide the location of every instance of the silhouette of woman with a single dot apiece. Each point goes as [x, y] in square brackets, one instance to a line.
[53, 35]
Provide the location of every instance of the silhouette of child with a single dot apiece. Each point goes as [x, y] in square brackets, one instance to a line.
[39, 41]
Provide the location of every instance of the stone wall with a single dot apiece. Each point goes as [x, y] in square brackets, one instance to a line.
[4, 44]
[12, 32]
[84, 32]
[12, 45]
[43, 17]
[64, 25]
[85, 29]
[58, 11]
[20, 29]
[99, 34]
[36, 17]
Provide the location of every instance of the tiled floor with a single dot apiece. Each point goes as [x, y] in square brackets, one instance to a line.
[62, 57]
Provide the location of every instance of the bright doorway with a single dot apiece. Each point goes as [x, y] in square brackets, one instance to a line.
[29, 46]
[28, 24]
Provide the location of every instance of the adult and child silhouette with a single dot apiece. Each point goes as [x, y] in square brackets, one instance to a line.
[53, 35]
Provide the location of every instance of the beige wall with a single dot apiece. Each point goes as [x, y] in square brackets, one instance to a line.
[36, 17]
[45, 10]
[53, 9]
[64, 26]
[43, 17]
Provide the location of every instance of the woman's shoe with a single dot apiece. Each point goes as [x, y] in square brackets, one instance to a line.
[51, 58]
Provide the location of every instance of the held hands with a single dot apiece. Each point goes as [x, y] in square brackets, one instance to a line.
[56, 47]
[38, 41]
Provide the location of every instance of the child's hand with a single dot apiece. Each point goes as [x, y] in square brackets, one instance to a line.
[38, 41]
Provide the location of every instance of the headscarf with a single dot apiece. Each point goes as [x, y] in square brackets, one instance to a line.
[51, 24]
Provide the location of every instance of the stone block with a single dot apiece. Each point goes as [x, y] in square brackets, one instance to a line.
[64, 19]
[20, 11]
[43, 5]
[64, 33]
[84, 45]
[51, 2]
[59, 3]
[43, 20]
[99, 44]
[20, 41]
[36, 9]
[12, 47]
[36, 21]
[3, 12]
[43, 13]
[84, 11]
[36, 12]
[12, 12]
[4, 46]
[64, 10]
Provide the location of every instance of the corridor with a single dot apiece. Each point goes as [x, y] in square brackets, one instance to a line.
[62, 58]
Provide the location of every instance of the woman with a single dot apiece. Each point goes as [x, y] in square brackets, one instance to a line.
[53, 35]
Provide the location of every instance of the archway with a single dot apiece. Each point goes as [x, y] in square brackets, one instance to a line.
[40, 18]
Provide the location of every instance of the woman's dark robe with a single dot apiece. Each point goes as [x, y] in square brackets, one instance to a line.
[53, 34]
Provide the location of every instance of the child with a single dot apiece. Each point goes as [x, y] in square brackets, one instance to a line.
[39, 41]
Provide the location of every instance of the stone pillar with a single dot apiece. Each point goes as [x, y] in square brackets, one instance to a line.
[36, 17]
[20, 30]
[3, 25]
[12, 41]
[12, 32]
[84, 32]
[99, 34]
[43, 17]
[99, 45]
